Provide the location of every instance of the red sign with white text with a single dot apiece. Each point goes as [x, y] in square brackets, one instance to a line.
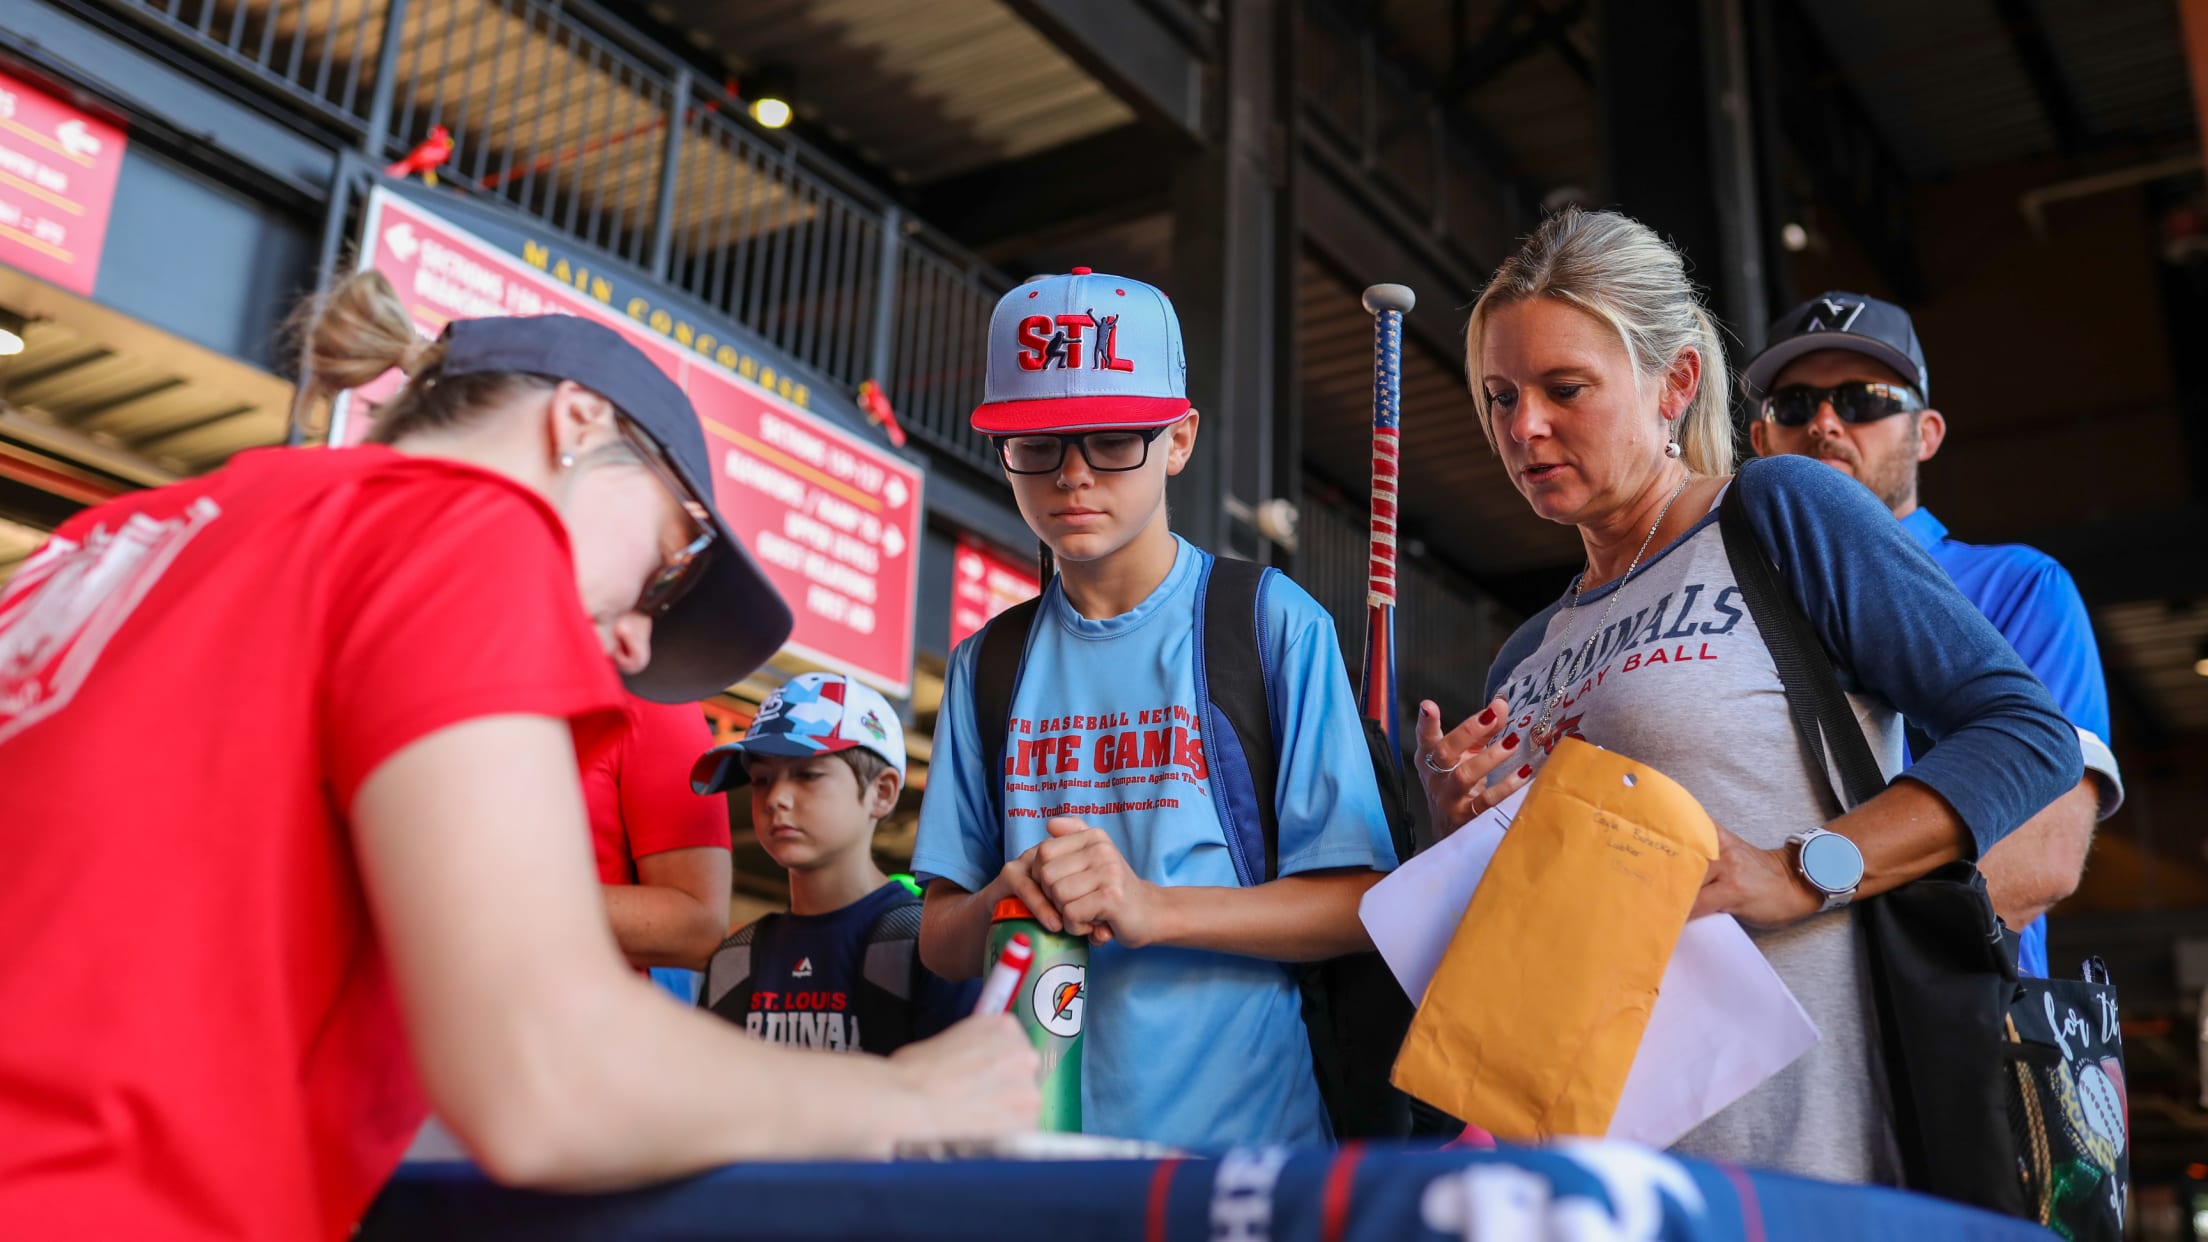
[833, 520]
[983, 584]
[57, 185]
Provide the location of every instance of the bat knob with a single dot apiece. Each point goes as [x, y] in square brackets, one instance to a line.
[1390, 297]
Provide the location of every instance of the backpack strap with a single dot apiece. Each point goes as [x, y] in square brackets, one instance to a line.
[892, 961]
[1234, 700]
[996, 677]
[1822, 717]
[728, 981]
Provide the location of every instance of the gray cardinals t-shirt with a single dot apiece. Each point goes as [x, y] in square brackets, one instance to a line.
[1679, 679]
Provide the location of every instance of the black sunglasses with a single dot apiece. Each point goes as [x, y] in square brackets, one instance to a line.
[678, 573]
[1105, 451]
[1863, 401]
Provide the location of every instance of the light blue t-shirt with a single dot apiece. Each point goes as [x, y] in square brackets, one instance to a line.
[1180, 1046]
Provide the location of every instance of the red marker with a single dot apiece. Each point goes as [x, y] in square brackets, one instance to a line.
[1005, 976]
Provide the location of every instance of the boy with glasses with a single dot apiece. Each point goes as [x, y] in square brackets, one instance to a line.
[1102, 813]
[1843, 380]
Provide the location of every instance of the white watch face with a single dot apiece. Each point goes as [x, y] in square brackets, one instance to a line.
[1832, 863]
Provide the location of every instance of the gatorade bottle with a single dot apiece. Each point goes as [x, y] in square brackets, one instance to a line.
[1050, 1004]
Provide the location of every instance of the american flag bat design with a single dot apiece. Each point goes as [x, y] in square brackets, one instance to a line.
[1387, 303]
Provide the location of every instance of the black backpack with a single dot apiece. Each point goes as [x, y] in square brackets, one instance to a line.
[1354, 1011]
[882, 999]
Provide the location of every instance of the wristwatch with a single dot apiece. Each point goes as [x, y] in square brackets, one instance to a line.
[1828, 863]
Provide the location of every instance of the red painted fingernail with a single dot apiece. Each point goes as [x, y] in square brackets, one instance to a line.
[1511, 742]
[1525, 771]
[1488, 716]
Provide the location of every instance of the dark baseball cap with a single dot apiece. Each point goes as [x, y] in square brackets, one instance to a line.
[731, 620]
[1840, 320]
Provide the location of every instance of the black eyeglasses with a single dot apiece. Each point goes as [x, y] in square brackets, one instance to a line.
[678, 573]
[1864, 401]
[1105, 451]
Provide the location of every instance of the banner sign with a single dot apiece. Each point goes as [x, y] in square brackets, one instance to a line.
[57, 184]
[984, 582]
[834, 520]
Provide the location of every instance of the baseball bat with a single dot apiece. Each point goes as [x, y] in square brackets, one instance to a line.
[1387, 304]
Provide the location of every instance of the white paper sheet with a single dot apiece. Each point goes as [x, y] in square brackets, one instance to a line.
[1723, 1022]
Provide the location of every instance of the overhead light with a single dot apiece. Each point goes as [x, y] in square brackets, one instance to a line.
[769, 92]
[772, 113]
[2200, 662]
[1794, 237]
[11, 332]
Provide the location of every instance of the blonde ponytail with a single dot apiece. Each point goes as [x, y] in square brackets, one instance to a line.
[1706, 429]
[1618, 270]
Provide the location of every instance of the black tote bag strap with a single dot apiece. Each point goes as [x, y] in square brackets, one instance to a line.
[1934, 945]
[1820, 709]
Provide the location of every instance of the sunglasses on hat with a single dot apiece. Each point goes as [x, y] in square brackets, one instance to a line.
[1863, 401]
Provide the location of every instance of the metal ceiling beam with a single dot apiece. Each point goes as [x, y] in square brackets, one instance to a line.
[1152, 54]
[1358, 235]
[1856, 174]
[2036, 56]
[1103, 179]
[1518, 29]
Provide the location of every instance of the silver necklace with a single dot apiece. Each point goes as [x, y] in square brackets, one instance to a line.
[1585, 652]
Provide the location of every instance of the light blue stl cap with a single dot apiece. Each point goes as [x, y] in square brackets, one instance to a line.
[1082, 351]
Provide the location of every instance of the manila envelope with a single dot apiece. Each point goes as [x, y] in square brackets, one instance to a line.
[1536, 1011]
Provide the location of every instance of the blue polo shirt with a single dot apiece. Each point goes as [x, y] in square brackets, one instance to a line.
[2032, 601]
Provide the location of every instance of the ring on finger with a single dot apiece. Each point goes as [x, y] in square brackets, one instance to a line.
[1427, 757]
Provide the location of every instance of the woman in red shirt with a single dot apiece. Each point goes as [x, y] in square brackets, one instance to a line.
[343, 875]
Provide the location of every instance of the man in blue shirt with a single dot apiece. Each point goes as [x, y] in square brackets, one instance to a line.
[1843, 380]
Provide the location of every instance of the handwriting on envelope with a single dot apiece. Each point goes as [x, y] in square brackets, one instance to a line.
[1554, 1000]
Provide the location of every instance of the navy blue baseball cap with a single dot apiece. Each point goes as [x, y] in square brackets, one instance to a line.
[731, 620]
[1840, 320]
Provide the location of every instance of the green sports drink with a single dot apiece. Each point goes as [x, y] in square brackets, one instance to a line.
[1050, 1003]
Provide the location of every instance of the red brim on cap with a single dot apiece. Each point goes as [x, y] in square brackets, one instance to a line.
[1054, 414]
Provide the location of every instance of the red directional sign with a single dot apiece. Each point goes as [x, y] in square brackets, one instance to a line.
[57, 184]
[834, 520]
[985, 582]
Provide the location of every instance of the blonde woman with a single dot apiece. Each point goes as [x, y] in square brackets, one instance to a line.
[347, 876]
[1601, 383]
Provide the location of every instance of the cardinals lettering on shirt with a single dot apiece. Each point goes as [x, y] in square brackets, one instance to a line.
[1673, 630]
[804, 1020]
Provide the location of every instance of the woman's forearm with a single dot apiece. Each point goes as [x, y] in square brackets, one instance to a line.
[1904, 832]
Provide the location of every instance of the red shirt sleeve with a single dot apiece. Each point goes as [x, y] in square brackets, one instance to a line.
[657, 806]
[453, 598]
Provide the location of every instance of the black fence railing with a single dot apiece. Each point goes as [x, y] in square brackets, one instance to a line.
[1446, 633]
[560, 111]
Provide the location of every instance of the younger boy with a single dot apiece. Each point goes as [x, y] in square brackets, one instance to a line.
[825, 760]
[1101, 814]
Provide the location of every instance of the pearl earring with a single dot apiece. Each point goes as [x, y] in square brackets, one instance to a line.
[1671, 449]
[567, 461]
